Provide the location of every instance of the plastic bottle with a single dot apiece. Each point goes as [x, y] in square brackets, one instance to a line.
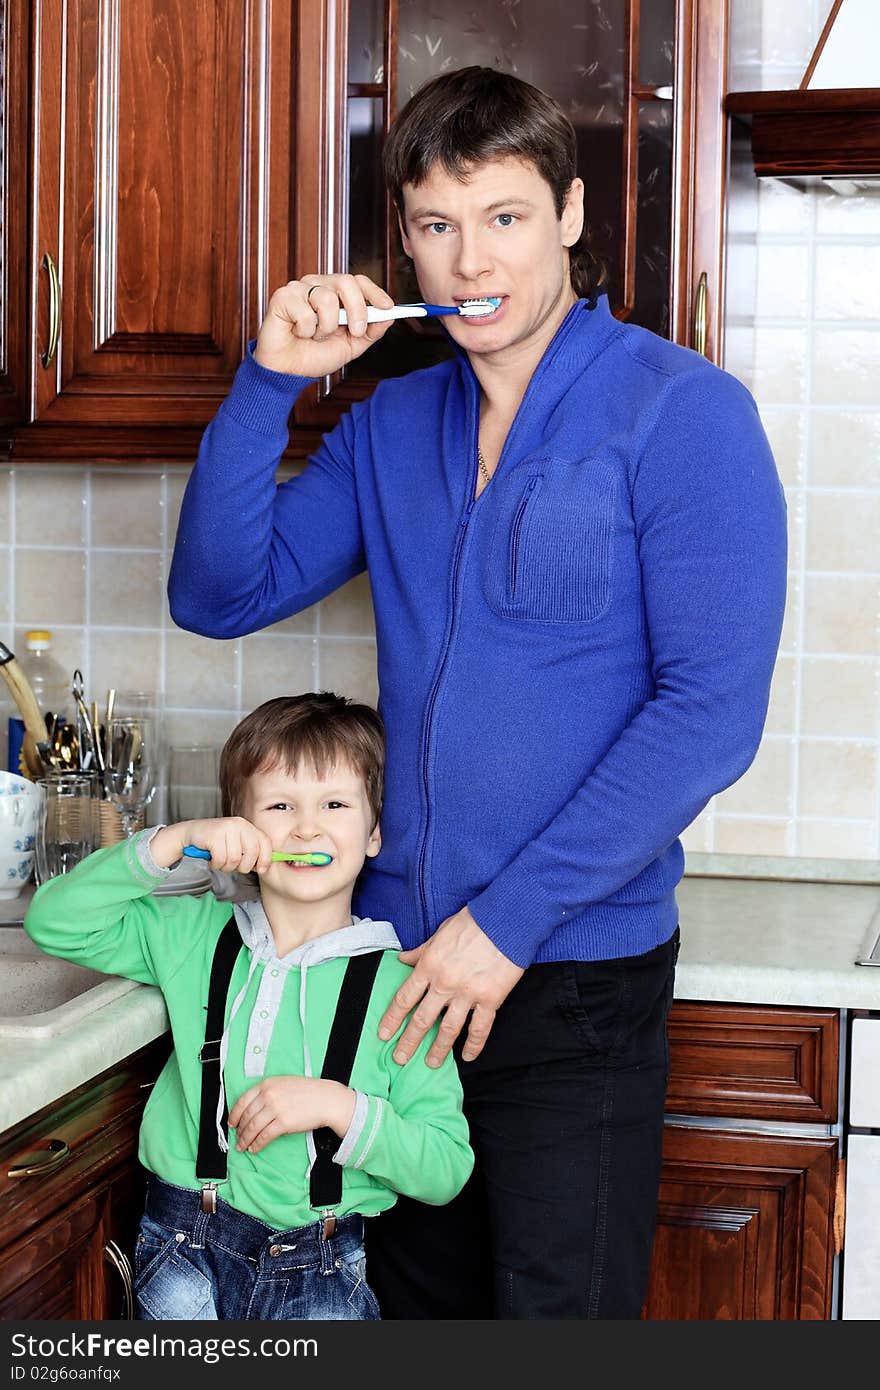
[50, 684]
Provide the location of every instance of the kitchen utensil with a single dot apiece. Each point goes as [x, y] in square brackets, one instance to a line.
[35, 747]
[66, 747]
[67, 828]
[86, 737]
[194, 852]
[99, 738]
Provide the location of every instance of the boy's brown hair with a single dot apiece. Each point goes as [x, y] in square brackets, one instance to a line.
[319, 730]
[464, 118]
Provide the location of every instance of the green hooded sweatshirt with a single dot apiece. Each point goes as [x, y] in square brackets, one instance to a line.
[408, 1133]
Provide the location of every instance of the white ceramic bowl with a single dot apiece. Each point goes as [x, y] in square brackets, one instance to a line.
[19, 811]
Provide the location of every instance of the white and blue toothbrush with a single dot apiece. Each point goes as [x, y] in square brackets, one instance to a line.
[471, 309]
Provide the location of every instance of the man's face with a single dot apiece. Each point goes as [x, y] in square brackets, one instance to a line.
[495, 236]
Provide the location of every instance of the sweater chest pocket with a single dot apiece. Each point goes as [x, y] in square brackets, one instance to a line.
[550, 557]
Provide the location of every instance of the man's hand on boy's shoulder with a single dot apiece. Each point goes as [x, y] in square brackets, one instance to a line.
[289, 1105]
[457, 972]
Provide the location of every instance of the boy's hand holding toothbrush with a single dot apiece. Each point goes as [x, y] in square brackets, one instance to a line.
[234, 844]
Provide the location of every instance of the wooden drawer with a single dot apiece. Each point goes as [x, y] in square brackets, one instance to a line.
[47, 1271]
[744, 1226]
[743, 1062]
[98, 1123]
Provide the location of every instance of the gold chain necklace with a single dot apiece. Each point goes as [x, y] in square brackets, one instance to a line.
[482, 462]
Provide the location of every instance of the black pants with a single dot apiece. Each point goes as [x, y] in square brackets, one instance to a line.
[565, 1106]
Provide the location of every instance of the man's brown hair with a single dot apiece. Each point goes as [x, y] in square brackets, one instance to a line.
[464, 118]
[319, 730]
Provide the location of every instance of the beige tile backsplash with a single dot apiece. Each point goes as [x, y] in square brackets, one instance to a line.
[275, 664]
[839, 696]
[803, 308]
[846, 366]
[842, 615]
[126, 588]
[126, 510]
[844, 448]
[52, 582]
[843, 531]
[60, 524]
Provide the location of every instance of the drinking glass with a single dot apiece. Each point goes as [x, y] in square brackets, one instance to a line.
[129, 766]
[67, 828]
[193, 793]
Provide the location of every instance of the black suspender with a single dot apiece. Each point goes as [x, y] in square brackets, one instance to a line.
[354, 996]
[325, 1186]
[211, 1160]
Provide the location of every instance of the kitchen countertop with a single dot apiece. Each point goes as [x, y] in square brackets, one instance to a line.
[744, 941]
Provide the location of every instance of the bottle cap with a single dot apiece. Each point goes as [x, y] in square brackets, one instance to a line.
[38, 639]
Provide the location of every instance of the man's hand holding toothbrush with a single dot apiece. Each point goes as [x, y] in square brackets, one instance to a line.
[316, 325]
[301, 333]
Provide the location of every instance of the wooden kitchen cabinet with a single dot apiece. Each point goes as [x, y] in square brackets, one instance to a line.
[14, 255]
[747, 1216]
[188, 158]
[67, 1230]
[162, 147]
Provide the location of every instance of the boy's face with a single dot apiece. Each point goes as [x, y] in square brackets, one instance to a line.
[495, 236]
[302, 813]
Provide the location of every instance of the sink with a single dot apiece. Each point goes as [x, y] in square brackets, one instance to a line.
[41, 995]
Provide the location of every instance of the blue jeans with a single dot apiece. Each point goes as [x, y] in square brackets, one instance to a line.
[230, 1266]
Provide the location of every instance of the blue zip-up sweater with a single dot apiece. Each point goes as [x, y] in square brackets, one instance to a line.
[569, 667]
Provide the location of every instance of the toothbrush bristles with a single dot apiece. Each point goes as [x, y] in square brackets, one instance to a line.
[477, 308]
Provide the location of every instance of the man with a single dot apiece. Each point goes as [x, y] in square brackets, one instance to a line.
[575, 538]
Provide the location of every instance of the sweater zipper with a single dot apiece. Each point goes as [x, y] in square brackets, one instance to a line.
[514, 535]
[432, 700]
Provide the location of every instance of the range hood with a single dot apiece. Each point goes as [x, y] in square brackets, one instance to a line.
[824, 129]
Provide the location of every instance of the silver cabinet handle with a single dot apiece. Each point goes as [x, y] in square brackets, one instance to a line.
[54, 311]
[42, 1162]
[701, 315]
[114, 1256]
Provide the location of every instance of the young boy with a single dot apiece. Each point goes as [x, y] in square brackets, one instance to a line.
[270, 1223]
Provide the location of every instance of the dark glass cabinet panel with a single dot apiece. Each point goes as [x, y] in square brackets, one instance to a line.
[366, 41]
[657, 42]
[366, 199]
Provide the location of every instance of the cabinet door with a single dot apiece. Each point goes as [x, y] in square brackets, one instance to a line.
[156, 187]
[78, 1263]
[55, 1270]
[643, 85]
[126, 1207]
[14, 33]
[744, 1227]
